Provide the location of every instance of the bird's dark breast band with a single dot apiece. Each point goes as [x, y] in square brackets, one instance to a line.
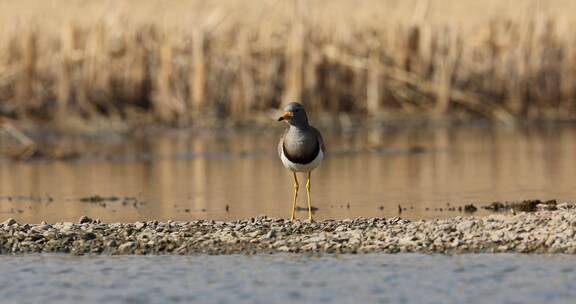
[302, 159]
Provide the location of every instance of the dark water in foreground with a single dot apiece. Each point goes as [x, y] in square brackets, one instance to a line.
[217, 175]
[405, 278]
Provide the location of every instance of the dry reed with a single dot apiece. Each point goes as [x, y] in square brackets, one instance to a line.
[175, 60]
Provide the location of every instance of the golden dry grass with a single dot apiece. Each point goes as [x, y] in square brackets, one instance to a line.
[176, 59]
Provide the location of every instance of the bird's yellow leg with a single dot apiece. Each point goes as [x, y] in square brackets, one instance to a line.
[296, 186]
[308, 194]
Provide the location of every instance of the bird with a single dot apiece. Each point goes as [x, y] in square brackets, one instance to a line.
[301, 149]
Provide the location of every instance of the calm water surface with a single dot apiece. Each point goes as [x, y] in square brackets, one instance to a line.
[217, 175]
[404, 278]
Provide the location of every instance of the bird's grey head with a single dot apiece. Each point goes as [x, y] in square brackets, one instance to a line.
[295, 115]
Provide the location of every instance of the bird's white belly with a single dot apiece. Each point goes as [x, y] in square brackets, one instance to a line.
[302, 167]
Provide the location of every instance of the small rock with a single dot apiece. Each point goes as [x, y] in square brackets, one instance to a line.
[315, 239]
[67, 225]
[43, 227]
[9, 222]
[126, 247]
[88, 236]
[496, 206]
[564, 206]
[270, 235]
[85, 220]
[470, 208]
[465, 225]
[406, 241]
[284, 248]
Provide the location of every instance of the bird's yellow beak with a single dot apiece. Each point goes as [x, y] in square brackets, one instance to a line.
[286, 115]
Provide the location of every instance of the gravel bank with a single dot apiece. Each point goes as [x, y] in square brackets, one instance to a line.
[538, 232]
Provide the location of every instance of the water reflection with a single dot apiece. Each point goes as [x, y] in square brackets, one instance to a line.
[201, 175]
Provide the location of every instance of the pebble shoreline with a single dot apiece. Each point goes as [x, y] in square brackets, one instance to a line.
[537, 232]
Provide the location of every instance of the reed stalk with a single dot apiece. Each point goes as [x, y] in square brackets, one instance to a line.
[185, 60]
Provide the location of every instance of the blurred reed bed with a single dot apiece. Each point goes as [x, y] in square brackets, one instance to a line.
[181, 61]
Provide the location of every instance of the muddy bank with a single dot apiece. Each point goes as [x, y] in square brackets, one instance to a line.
[538, 232]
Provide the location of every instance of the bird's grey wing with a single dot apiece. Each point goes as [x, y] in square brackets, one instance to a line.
[320, 140]
[281, 142]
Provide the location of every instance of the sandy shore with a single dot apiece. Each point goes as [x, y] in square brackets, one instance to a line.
[535, 232]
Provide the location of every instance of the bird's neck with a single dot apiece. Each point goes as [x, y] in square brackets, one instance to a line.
[298, 135]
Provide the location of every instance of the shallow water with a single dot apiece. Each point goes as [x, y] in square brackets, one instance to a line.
[405, 278]
[223, 175]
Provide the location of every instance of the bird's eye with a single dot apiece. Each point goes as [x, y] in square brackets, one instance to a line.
[296, 110]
